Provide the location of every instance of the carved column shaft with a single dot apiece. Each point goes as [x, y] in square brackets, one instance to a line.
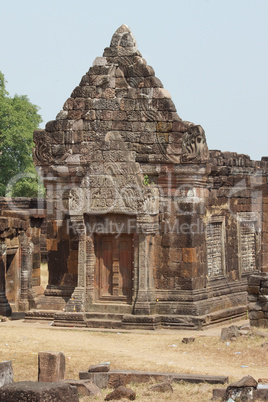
[26, 273]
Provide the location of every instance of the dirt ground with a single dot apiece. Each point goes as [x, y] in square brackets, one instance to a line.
[160, 350]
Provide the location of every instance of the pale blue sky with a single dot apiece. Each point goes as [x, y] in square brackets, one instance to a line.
[212, 56]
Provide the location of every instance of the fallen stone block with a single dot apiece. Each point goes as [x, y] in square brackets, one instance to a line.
[29, 391]
[121, 392]
[84, 388]
[162, 387]
[188, 340]
[51, 366]
[99, 368]
[100, 379]
[229, 333]
[243, 390]
[124, 377]
[6, 373]
[246, 381]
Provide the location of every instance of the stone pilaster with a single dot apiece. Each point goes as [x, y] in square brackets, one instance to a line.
[90, 264]
[5, 308]
[77, 300]
[26, 272]
[145, 301]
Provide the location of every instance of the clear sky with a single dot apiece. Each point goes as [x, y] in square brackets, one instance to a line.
[212, 56]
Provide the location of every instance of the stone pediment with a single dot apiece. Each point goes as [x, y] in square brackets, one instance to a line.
[120, 112]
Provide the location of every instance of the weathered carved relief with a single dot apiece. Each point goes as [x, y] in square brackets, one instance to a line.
[247, 241]
[76, 200]
[215, 236]
[42, 151]
[194, 147]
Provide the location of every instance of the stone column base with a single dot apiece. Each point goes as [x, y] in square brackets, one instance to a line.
[5, 308]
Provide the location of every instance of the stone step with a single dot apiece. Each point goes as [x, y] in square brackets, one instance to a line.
[100, 323]
[104, 316]
[115, 308]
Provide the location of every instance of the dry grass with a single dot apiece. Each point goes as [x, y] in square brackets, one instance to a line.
[155, 351]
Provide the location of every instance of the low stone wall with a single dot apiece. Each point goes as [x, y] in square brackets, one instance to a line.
[258, 299]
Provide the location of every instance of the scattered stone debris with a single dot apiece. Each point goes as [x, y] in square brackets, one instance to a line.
[121, 392]
[230, 333]
[247, 389]
[242, 390]
[162, 387]
[258, 299]
[6, 373]
[99, 368]
[188, 340]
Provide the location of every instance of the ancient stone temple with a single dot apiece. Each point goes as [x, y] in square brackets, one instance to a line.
[21, 221]
[145, 226]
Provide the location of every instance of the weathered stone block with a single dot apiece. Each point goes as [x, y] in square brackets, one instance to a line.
[39, 392]
[256, 315]
[254, 280]
[229, 333]
[98, 368]
[51, 366]
[255, 306]
[121, 392]
[84, 388]
[6, 373]
[253, 290]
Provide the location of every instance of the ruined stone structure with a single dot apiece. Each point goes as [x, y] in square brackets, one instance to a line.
[20, 255]
[258, 299]
[146, 226]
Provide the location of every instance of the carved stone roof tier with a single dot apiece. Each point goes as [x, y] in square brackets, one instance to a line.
[120, 112]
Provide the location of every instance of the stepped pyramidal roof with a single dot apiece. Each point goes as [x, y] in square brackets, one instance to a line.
[120, 96]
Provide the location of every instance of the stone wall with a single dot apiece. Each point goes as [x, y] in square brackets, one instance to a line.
[258, 300]
[20, 254]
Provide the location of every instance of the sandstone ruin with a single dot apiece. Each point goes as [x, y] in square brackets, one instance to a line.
[146, 227]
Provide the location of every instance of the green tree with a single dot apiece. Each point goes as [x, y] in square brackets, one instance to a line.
[18, 119]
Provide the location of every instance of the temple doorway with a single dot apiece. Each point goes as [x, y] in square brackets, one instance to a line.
[114, 267]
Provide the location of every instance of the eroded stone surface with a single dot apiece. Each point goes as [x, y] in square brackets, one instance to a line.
[38, 391]
[51, 366]
[121, 392]
[6, 373]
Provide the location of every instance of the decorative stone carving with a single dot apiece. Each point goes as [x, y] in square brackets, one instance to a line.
[76, 200]
[42, 151]
[151, 201]
[194, 147]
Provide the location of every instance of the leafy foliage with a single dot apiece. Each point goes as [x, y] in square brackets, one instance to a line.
[18, 119]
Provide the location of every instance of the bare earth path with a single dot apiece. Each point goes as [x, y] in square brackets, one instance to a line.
[160, 350]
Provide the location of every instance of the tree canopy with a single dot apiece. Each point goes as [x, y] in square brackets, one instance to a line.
[18, 119]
